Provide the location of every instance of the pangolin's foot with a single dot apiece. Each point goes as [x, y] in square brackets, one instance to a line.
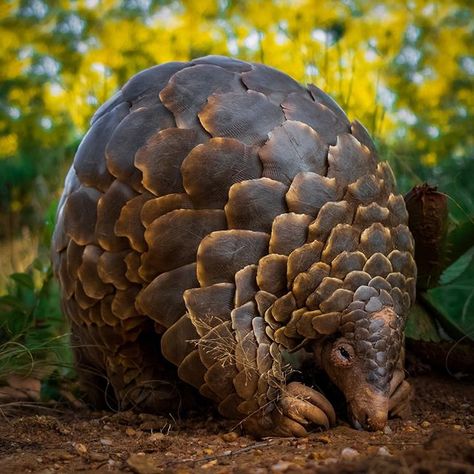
[401, 393]
[299, 409]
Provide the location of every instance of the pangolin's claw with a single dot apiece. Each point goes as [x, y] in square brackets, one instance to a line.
[303, 412]
[285, 426]
[300, 407]
[313, 397]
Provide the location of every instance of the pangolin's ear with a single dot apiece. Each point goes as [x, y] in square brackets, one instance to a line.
[326, 324]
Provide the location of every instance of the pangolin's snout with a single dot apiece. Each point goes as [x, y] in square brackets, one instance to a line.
[369, 410]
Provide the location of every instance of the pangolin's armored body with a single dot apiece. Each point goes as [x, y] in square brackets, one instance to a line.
[218, 214]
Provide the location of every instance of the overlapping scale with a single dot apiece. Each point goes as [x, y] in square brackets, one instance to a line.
[349, 160]
[376, 238]
[90, 160]
[271, 82]
[111, 268]
[230, 64]
[160, 159]
[271, 273]
[162, 300]
[245, 285]
[222, 254]
[154, 208]
[80, 215]
[289, 232]
[343, 237]
[321, 97]
[309, 192]
[129, 136]
[209, 306]
[179, 340]
[254, 204]
[165, 251]
[329, 216]
[366, 215]
[188, 90]
[143, 88]
[109, 208]
[302, 258]
[360, 133]
[247, 116]
[93, 285]
[213, 167]
[301, 108]
[293, 139]
[306, 282]
[129, 223]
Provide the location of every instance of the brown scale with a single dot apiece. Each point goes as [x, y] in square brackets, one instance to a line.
[218, 213]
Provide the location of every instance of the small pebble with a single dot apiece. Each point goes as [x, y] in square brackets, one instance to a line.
[106, 441]
[209, 464]
[387, 430]
[465, 406]
[98, 457]
[383, 451]
[232, 436]
[80, 448]
[457, 427]
[349, 454]
[323, 439]
[156, 437]
[281, 466]
[208, 451]
[131, 432]
[425, 424]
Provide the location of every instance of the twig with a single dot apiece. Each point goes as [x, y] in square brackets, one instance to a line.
[33, 405]
[261, 444]
[395, 443]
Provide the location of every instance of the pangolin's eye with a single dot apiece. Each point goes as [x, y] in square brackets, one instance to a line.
[344, 353]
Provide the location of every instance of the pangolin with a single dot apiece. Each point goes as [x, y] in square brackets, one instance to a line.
[218, 216]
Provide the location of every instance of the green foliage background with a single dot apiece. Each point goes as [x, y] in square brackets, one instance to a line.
[403, 68]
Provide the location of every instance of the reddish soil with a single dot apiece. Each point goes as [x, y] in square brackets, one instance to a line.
[439, 438]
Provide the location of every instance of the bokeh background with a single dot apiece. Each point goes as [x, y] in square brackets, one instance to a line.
[404, 68]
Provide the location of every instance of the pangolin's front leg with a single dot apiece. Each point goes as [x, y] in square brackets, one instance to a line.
[231, 359]
[401, 392]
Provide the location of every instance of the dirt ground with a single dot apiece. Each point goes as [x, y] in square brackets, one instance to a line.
[439, 438]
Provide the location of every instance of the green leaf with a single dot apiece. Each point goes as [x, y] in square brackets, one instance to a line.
[460, 239]
[23, 279]
[457, 268]
[454, 301]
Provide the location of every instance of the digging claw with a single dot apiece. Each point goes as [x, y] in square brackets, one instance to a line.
[298, 409]
[301, 407]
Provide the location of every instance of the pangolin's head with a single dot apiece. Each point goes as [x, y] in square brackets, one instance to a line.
[360, 359]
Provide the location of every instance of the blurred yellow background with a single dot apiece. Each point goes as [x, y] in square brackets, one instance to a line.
[403, 68]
